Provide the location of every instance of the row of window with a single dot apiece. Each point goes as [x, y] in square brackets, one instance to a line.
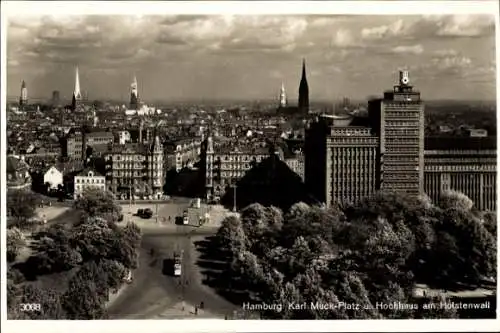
[460, 168]
[355, 141]
[96, 180]
[242, 158]
[79, 187]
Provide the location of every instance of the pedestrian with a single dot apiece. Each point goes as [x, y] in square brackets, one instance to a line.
[196, 310]
[202, 305]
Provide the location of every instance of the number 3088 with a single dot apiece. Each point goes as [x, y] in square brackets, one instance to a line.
[30, 307]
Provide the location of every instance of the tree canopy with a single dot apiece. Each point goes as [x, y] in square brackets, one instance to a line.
[369, 253]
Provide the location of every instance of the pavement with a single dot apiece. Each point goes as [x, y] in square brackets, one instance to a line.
[155, 294]
[165, 214]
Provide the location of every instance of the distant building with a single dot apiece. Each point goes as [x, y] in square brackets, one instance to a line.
[77, 95]
[88, 178]
[135, 170]
[296, 164]
[224, 165]
[123, 137]
[52, 177]
[18, 176]
[182, 153]
[134, 95]
[464, 164]
[23, 99]
[55, 97]
[76, 144]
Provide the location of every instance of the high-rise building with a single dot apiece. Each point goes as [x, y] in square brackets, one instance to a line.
[134, 95]
[398, 120]
[303, 91]
[55, 97]
[283, 100]
[23, 99]
[350, 157]
[77, 95]
[341, 159]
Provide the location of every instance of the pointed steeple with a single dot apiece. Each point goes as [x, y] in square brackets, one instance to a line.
[77, 93]
[23, 85]
[304, 90]
[283, 100]
[134, 95]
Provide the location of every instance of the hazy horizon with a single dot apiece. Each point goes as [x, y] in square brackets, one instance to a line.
[218, 57]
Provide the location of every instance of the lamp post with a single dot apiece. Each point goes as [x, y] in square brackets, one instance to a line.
[233, 186]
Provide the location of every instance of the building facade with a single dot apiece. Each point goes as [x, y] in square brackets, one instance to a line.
[88, 178]
[399, 123]
[464, 164]
[296, 163]
[53, 177]
[226, 164]
[182, 153]
[135, 170]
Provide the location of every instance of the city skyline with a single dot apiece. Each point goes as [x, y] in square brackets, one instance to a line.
[248, 57]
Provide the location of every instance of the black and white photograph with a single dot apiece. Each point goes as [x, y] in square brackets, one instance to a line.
[249, 166]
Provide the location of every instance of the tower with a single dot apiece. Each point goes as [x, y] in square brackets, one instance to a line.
[23, 99]
[77, 95]
[399, 122]
[303, 91]
[55, 97]
[283, 100]
[134, 95]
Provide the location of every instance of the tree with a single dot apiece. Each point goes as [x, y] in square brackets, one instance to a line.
[49, 300]
[83, 299]
[454, 199]
[490, 222]
[21, 207]
[231, 236]
[97, 203]
[15, 242]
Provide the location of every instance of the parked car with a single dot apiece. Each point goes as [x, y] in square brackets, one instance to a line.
[145, 213]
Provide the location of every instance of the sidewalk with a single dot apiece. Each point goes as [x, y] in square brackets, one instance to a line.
[177, 312]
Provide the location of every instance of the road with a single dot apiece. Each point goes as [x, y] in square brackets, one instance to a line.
[154, 294]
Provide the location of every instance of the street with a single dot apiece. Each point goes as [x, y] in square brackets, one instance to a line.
[155, 294]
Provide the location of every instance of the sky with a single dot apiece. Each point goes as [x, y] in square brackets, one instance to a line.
[239, 57]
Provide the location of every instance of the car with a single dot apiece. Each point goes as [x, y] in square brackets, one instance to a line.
[145, 213]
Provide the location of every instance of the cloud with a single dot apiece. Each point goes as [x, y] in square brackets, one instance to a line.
[343, 38]
[412, 49]
[396, 28]
[435, 26]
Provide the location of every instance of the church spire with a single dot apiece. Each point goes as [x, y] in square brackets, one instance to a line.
[23, 99]
[134, 95]
[283, 100]
[303, 90]
[77, 95]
